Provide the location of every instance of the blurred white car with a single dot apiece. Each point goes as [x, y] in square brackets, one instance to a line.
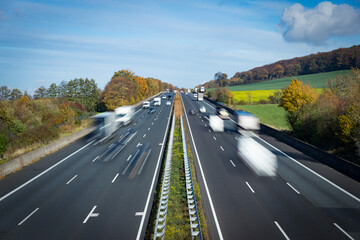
[168, 103]
[202, 109]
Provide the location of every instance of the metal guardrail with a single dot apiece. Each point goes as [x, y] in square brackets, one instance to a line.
[193, 213]
[159, 231]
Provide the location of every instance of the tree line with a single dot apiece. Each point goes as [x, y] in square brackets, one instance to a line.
[126, 88]
[339, 59]
[330, 120]
[28, 121]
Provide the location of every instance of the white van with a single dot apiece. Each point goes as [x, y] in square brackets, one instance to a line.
[146, 104]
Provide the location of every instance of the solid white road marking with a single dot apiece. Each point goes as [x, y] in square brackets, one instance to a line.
[115, 178]
[312, 171]
[222, 148]
[281, 230]
[91, 214]
[139, 213]
[203, 177]
[28, 216]
[250, 187]
[232, 163]
[39, 175]
[129, 158]
[95, 159]
[71, 179]
[293, 188]
[342, 230]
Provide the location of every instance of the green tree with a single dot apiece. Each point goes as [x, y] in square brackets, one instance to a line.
[4, 93]
[41, 92]
[53, 91]
[15, 94]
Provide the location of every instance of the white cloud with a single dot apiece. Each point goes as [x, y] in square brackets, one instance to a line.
[316, 26]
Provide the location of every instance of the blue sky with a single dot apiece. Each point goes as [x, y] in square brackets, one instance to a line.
[183, 42]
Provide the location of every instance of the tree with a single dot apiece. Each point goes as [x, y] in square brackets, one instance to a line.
[15, 94]
[41, 92]
[224, 95]
[220, 76]
[296, 95]
[53, 91]
[4, 93]
[277, 70]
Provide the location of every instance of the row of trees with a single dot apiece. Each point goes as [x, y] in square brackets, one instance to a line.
[339, 59]
[126, 88]
[331, 119]
[84, 91]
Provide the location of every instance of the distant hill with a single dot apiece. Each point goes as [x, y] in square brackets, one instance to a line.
[316, 80]
[339, 59]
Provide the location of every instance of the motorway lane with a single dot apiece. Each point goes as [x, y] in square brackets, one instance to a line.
[58, 202]
[275, 198]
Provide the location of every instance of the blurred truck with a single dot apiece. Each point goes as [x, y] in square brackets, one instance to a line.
[157, 101]
[258, 158]
[200, 97]
[216, 123]
[247, 121]
[104, 124]
[124, 115]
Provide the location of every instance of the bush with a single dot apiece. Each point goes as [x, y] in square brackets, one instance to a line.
[4, 141]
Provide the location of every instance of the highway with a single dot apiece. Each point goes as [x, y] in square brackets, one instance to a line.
[306, 200]
[89, 189]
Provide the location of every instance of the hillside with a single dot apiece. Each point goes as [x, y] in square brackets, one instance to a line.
[322, 62]
[318, 80]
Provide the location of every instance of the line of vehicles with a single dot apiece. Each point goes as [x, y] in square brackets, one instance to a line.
[107, 123]
[258, 158]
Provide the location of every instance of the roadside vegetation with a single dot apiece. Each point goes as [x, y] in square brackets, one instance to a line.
[330, 120]
[29, 122]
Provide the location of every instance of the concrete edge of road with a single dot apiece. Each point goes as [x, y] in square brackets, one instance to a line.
[341, 165]
[27, 158]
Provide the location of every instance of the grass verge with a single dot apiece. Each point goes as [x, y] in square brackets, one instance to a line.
[269, 114]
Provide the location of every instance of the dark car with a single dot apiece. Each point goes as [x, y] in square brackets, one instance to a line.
[151, 110]
[192, 111]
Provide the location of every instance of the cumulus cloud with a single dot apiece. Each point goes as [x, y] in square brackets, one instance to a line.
[315, 26]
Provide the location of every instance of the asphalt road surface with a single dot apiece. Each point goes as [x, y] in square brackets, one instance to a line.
[306, 200]
[89, 189]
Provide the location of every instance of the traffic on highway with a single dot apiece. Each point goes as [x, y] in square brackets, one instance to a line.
[94, 188]
[291, 197]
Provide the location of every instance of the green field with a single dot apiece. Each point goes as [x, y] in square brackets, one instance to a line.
[318, 80]
[269, 114]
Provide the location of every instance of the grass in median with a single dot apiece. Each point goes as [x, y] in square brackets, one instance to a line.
[269, 114]
[177, 219]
